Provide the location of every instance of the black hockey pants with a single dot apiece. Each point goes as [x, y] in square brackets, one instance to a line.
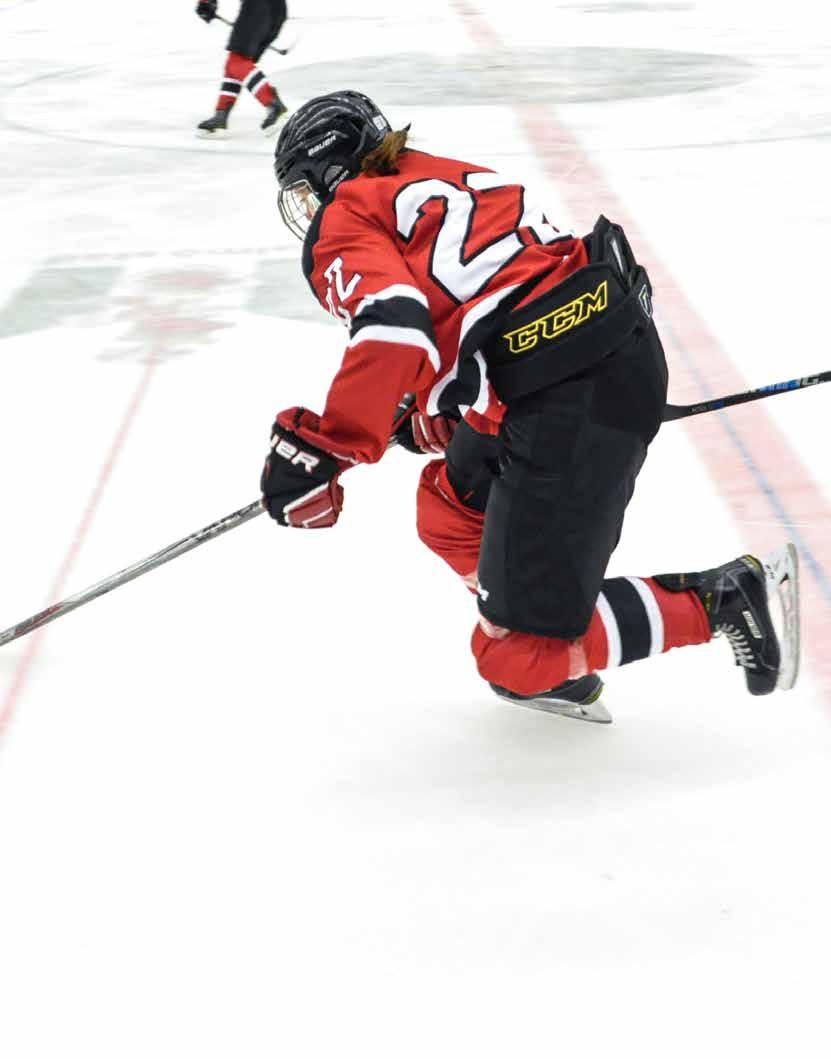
[568, 457]
[258, 24]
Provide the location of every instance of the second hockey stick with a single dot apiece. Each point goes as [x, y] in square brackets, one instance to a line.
[269, 47]
[681, 411]
[245, 514]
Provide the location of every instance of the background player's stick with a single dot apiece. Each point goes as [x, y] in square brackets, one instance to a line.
[270, 47]
[172, 551]
[681, 411]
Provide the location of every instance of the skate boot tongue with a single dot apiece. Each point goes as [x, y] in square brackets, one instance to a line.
[736, 600]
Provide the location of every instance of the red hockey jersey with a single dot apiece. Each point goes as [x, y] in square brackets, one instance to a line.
[418, 265]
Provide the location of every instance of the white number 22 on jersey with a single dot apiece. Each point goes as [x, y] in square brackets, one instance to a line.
[461, 277]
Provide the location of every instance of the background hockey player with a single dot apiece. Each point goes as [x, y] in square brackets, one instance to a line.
[257, 26]
[455, 287]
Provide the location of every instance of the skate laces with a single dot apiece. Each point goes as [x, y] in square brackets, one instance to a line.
[742, 650]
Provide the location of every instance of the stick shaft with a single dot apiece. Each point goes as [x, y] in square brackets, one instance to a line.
[245, 514]
[681, 411]
[172, 551]
[280, 51]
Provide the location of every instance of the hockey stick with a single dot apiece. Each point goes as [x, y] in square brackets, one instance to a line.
[681, 411]
[405, 407]
[269, 47]
[172, 551]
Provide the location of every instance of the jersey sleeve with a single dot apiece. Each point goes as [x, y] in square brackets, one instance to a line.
[360, 277]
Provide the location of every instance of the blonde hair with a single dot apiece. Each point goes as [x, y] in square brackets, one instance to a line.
[381, 161]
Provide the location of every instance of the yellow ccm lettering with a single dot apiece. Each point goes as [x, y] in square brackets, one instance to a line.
[560, 320]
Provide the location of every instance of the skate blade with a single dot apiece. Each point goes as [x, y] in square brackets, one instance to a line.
[587, 711]
[782, 577]
[218, 134]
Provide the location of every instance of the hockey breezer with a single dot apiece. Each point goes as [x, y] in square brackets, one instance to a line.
[269, 47]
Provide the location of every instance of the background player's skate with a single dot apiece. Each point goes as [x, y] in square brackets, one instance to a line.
[253, 32]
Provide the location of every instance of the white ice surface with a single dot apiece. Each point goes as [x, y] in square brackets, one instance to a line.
[259, 803]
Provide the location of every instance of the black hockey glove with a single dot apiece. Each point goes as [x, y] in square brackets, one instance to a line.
[299, 482]
[206, 9]
[421, 433]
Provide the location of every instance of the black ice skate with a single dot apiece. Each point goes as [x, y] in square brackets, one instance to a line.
[215, 126]
[573, 698]
[272, 119]
[736, 597]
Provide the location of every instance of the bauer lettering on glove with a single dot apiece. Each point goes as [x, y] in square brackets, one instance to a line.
[299, 482]
[423, 433]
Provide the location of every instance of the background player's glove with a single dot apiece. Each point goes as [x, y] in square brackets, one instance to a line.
[423, 433]
[299, 482]
[206, 9]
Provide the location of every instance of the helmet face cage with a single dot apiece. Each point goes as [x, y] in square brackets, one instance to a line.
[298, 204]
[323, 143]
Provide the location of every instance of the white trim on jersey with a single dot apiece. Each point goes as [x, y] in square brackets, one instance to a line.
[475, 314]
[484, 396]
[653, 613]
[613, 644]
[396, 290]
[482, 308]
[401, 336]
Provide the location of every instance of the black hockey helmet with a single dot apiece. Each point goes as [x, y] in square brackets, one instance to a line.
[320, 145]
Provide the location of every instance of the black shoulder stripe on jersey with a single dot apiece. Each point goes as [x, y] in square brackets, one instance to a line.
[399, 311]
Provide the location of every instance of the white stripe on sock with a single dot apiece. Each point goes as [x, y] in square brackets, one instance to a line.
[609, 620]
[653, 612]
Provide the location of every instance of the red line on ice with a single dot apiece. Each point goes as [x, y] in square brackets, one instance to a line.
[587, 193]
[24, 665]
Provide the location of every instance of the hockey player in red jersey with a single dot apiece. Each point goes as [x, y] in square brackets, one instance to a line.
[257, 26]
[535, 362]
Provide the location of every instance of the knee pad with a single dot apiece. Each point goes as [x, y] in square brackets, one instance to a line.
[447, 526]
